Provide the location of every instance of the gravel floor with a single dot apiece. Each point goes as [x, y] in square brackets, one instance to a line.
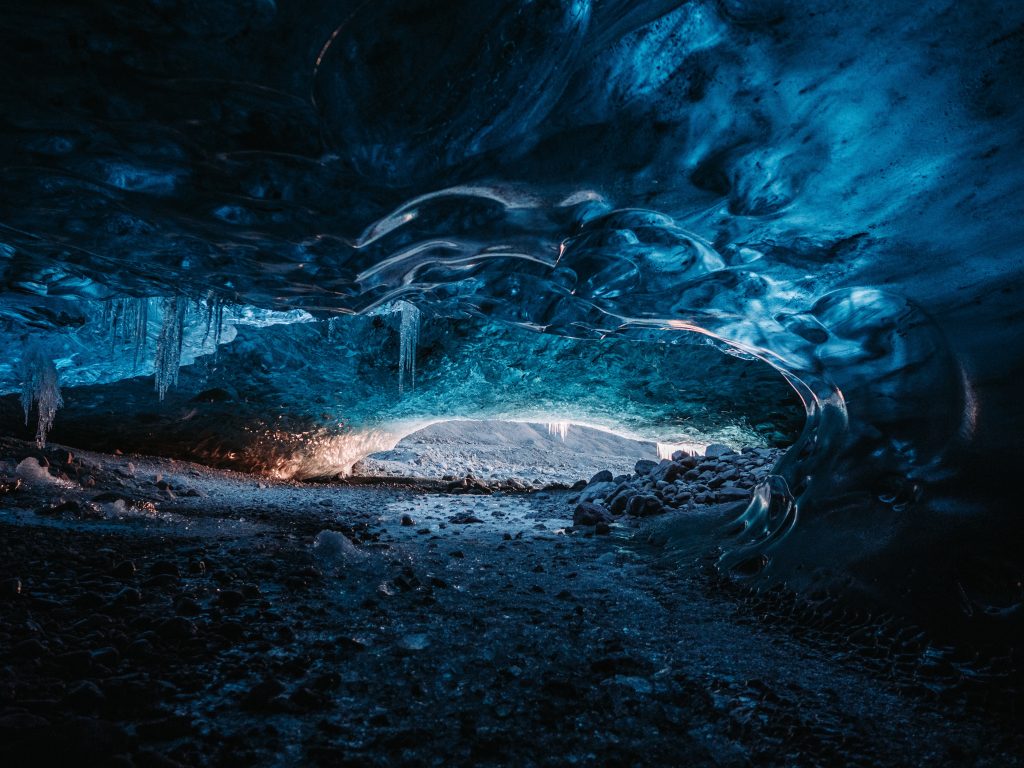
[194, 617]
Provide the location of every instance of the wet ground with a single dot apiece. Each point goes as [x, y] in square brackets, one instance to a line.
[164, 614]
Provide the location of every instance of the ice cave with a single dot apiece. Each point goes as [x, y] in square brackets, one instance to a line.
[511, 383]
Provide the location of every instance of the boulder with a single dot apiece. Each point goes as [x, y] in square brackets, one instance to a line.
[717, 450]
[590, 514]
[644, 466]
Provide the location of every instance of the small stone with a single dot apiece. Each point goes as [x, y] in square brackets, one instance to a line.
[10, 587]
[230, 599]
[164, 568]
[262, 694]
[30, 648]
[186, 606]
[407, 521]
[464, 518]
[177, 628]
[85, 696]
[124, 570]
[602, 529]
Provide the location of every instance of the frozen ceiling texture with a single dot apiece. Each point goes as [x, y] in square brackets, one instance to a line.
[829, 191]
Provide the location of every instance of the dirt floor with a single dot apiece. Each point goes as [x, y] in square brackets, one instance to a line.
[159, 613]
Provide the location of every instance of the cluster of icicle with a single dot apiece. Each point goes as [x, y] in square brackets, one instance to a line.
[560, 428]
[125, 321]
[40, 384]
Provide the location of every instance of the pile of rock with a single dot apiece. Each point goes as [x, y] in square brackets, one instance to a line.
[720, 476]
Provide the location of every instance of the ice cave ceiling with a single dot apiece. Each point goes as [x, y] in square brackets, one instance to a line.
[830, 191]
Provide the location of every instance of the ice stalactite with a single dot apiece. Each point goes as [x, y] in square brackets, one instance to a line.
[169, 343]
[214, 323]
[41, 385]
[127, 321]
[409, 332]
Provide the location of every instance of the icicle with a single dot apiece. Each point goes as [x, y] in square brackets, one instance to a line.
[409, 331]
[214, 323]
[169, 343]
[218, 328]
[40, 383]
[140, 331]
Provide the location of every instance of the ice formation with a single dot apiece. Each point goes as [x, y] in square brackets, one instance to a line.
[40, 385]
[828, 189]
[409, 332]
[560, 428]
[169, 343]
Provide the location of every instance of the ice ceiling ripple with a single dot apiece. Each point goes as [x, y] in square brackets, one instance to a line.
[832, 187]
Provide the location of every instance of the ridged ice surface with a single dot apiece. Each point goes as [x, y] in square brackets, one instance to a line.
[831, 187]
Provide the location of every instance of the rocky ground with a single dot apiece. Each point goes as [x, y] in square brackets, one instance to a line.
[159, 613]
[530, 454]
[720, 476]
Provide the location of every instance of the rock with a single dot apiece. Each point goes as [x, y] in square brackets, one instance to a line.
[177, 628]
[644, 466]
[604, 476]
[164, 568]
[124, 570]
[230, 599]
[128, 596]
[596, 491]
[602, 529]
[407, 521]
[186, 606]
[717, 450]
[10, 587]
[86, 696]
[618, 503]
[645, 505]
[464, 518]
[108, 656]
[60, 507]
[261, 695]
[30, 648]
[666, 472]
[587, 513]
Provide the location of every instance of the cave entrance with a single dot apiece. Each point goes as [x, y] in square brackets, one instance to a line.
[533, 453]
